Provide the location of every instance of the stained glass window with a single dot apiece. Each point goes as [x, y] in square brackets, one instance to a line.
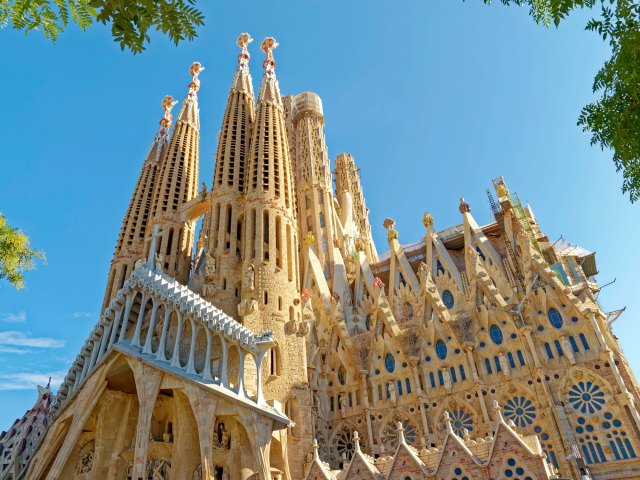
[447, 299]
[496, 334]
[389, 363]
[441, 349]
[555, 318]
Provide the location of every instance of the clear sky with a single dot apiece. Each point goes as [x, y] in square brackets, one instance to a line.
[433, 98]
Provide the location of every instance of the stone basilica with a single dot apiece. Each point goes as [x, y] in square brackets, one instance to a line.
[276, 343]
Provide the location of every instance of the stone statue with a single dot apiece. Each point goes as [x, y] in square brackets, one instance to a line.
[342, 399]
[158, 262]
[446, 376]
[392, 393]
[568, 350]
[225, 474]
[85, 463]
[223, 438]
[250, 277]
[209, 267]
[139, 263]
[504, 364]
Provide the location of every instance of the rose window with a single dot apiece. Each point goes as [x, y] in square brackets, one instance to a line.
[345, 445]
[586, 397]
[461, 420]
[521, 410]
[390, 434]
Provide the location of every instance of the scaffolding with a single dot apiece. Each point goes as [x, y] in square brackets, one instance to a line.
[499, 216]
[524, 221]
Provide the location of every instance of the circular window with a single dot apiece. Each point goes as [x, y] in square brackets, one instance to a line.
[342, 375]
[441, 349]
[389, 363]
[496, 334]
[554, 317]
[447, 299]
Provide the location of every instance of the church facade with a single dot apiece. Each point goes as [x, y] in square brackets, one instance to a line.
[275, 342]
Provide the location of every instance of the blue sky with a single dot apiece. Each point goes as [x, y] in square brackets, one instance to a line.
[433, 98]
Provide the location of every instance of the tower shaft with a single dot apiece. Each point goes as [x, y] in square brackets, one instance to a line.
[348, 180]
[225, 219]
[130, 246]
[177, 184]
[313, 176]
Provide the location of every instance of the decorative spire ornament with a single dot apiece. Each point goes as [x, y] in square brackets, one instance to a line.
[165, 123]
[195, 70]
[268, 45]
[243, 42]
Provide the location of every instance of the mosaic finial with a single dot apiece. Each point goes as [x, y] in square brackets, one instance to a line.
[464, 206]
[243, 42]
[268, 45]
[167, 104]
[195, 70]
[427, 220]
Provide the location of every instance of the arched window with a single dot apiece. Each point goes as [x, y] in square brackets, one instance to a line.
[441, 349]
[274, 361]
[342, 375]
[496, 334]
[447, 299]
[555, 318]
[389, 363]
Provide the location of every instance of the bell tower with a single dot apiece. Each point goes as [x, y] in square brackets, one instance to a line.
[130, 246]
[226, 218]
[271, 278]
[177, 183]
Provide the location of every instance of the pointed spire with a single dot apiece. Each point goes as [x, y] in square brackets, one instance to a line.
[315, 449]
[447, 421]
[242, 79]
[400, 429]
[161, 139]
[190, 112]
[356, 440]
[269, 90]
[498, 409]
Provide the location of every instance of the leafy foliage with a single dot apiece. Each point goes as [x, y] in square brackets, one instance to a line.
[131, 21]
[16, 254]
[614, 119]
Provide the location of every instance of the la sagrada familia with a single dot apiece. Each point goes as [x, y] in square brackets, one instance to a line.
[276, 343]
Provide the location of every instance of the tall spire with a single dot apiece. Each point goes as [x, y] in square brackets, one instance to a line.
[271, 284]
[313, 176]
[269, 90]
[223, 223]
[130, 244]
[177, 183]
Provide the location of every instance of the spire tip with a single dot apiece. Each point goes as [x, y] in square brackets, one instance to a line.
[195, 70]
[269, 44]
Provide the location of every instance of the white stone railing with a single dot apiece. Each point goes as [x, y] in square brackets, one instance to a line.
[186, 311]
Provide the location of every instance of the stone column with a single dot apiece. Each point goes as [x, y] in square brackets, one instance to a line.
[125, 318]
[152, 326]
[136, 334]
[147, 385]
[175, 357]
[204, 406]
[160, 355]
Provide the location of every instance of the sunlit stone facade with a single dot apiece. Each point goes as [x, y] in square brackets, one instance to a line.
[282, 345]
